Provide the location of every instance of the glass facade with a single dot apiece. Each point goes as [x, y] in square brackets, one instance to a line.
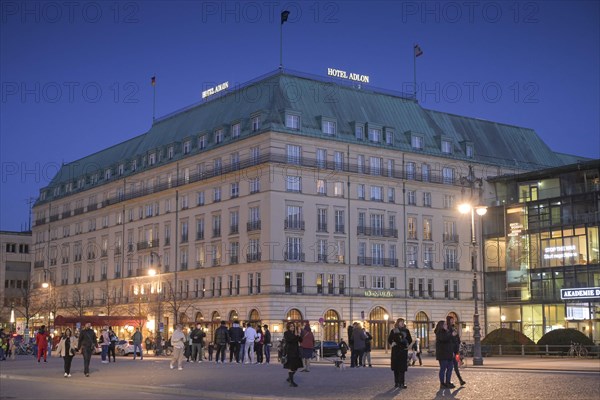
[541, 237]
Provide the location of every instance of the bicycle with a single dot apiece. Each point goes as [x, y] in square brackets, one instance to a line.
[577, 350]
[24, 349]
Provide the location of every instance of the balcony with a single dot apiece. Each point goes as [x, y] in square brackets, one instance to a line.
[411, 236]
[294, 256]
[293, 224]
[147, 244]
[385, 262]
[253, 226]
[322, 258]
[451, 265]
[340, 229]
[234, 229]
[322, 227]
[377, 231]
[253, 257]
[233, 260]
[450, 237]
[216, 232]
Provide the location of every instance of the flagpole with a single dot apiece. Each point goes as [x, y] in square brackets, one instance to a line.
[154, 98]
[415, 72]
[281, 45]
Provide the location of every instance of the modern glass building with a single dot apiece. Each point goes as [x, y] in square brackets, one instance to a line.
[541, 251]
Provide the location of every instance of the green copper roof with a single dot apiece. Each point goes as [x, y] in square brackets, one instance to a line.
[314, 98]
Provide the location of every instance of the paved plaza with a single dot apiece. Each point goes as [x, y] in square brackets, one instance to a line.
[498, 378]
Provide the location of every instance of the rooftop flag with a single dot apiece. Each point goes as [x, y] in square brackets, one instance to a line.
[153, 80]
[418, 51]
[284, 16]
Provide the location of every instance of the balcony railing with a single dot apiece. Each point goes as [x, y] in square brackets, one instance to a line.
[233, 259]
[450, 237]
[385, 262]
[451, 265]
[294, 256]
[340, 229]
[376, 231]
[147, 244]
[322, 258]
[322, 227]
[234, 229]
[253, 257]
[253, 226]
[293, 224]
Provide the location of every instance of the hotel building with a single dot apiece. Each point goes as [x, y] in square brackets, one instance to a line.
[291, 197]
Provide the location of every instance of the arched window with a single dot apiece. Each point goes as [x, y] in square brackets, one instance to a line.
[199, 317]
[216, 316]
[183, 318]
[378, 326]
[254, 316]
[378, 314]
[233, 315]
[331, 325]
[421, 324]
[294, 315]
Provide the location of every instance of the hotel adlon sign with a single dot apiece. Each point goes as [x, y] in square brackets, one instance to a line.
[580, 293]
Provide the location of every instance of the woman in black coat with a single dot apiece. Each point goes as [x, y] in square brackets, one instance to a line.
[291, 340]
[399, 339]
[444, 346]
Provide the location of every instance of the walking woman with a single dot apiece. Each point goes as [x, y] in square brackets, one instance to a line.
[291, 340]
[444, 342]
[399, 339]
[455, 348]
[67, 347]
[307, 347]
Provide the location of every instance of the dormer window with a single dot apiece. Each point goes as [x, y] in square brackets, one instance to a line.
[170, 152]
[134, 165]
[470, 150]
[416, 142]
[80, 183]
[375, 135]
[202, 142]
[219, 136]
[152, 159]
[446, 146]
[107, 174]
[292, 121]
[236, 130]
[389, 137]
[56, 191]
[359, 132]
[121, 169]
[255, 123]
[329, 127]
[187, 147]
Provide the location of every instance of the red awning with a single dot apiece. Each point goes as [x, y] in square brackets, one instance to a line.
[101, 320]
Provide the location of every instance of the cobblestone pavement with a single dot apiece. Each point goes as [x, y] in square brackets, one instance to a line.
[530, 378]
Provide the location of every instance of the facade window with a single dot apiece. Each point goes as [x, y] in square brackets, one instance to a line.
[411, 255]
[411, 171]
[329, 127]
[292, 121]
[446, 147]
[255, 154]
[421, 287]
[360, 191]
[322, 250]
[416, 142]
[202, 142]
[200, 198]
[411, 287]
[234, 221]
[121, 169]
[411, 227]
[340, 252]
[216, 194]
[338, 189]
[200, 229]
[321, 220]
[360, 163]
[430, 288]
[428, 256]
[170, 152]
[299, 282]
[234, 161]
[391, 195]
[455, 289]
[448, 175]
[411, 197]
[470, 150]
[389, 137]
[255, 122]
[254, 185]
[294, 154]
[376, 193]
[375, 165]
[339, 216]
[393, 284]
[338, 160]
[293, 184]
[362, 281]
[287, 282]
[427, 229]
[321, 187]
[426, 199]
[235, 190]
[322, 158]
[342, 284]
[425, 172]
[236, 129]
[448, 201]
[294, 249]
[319, 283]
[217, 166]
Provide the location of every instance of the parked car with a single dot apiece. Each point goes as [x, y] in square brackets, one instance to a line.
[330, 348]
[125, 348]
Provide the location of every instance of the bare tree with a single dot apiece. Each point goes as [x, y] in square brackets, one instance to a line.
[77, 302]
[31, 303]
[176, 302]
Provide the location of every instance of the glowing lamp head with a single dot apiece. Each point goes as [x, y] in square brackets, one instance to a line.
[481, 211]
[464, 208]
[45, 285]
[152, 272]
[386, 317]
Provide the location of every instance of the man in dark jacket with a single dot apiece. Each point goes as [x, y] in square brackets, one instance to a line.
[236, 333]
[87, 345]
[221, 339]
[197, 338]
[267, 342]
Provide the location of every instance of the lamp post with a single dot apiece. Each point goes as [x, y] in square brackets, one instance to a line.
[156, 272]
[385, 317]
[502, 319]
[473, 183]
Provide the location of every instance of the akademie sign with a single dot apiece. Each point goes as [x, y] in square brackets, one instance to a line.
[580, 293]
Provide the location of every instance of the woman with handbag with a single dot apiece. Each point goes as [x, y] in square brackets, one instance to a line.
[67, 347]
[291, 352]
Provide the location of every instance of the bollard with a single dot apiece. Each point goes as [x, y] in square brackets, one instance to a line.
[547, 350]
[499, 349]
[522, 349]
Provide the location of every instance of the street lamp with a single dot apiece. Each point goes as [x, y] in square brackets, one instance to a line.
[386, 317]
[156, 272]
[474, 183]
[502, 318]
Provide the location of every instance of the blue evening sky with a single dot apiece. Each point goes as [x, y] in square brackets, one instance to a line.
[75, 75]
